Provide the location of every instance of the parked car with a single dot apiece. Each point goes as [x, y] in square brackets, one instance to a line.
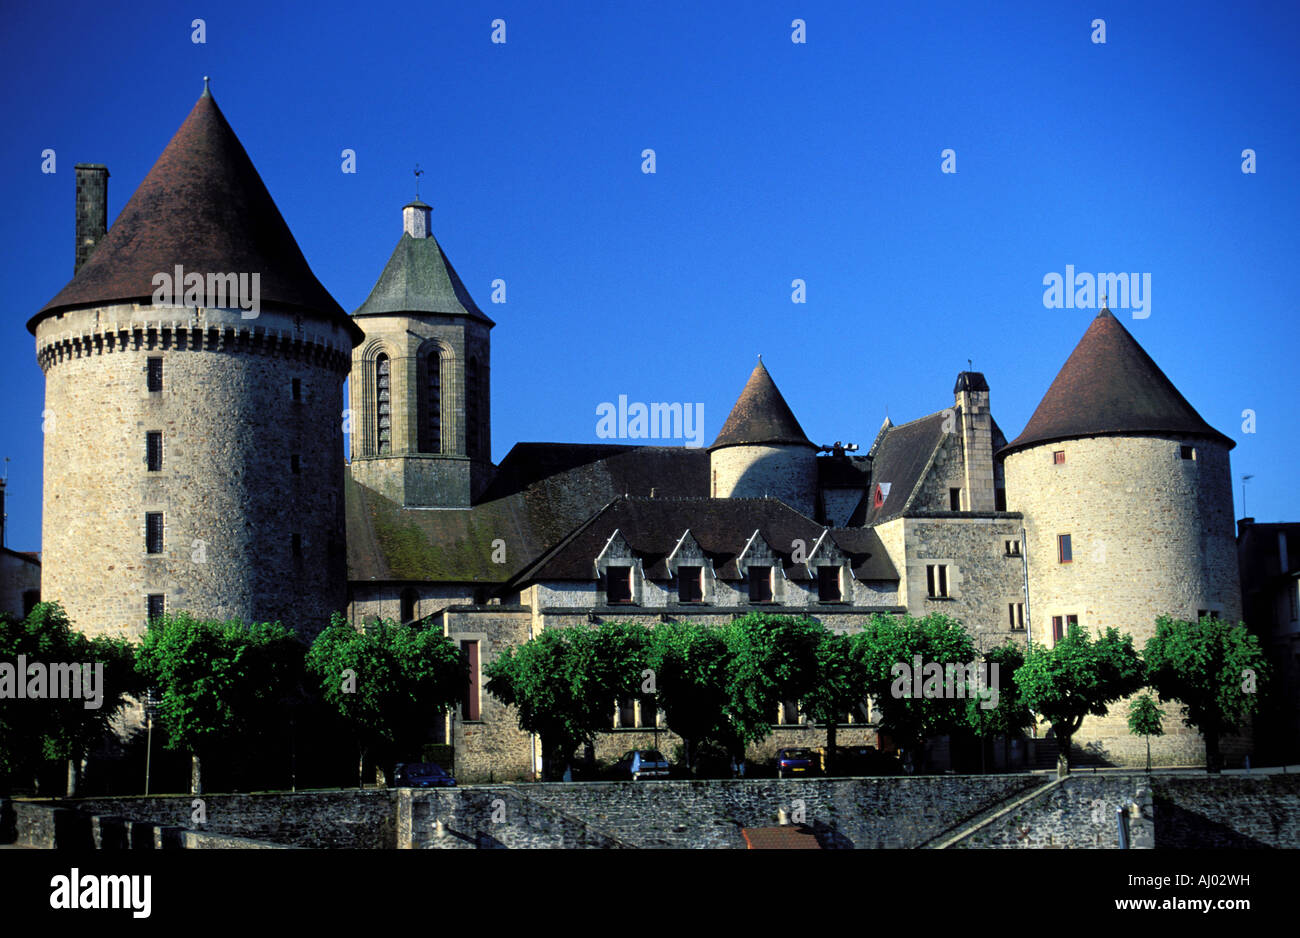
[421, 775]
[801, 761]
[637, 764]
[865, 760]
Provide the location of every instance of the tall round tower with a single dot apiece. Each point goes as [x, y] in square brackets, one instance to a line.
[194, 373]
[1127, 502]
[761, 449]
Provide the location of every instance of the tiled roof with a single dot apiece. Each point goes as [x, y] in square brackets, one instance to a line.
[761, 415]
[899, 458]
[721, 526]
[202, 206]
[1109, 385]
[785, 837]
[419, 279]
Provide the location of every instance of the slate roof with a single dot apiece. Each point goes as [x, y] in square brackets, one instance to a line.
[542, 492]
[721, 526]
[899, 457]
[418, 278]
[761, 415]
[202, 206]
[1109, 385]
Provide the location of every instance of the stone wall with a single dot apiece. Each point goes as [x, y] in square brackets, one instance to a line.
[1151, 534]
[230, 500]
[785, 472]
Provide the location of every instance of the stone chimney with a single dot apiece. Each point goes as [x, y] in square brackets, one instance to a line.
[92, 210]
[415, 219]
[972, 397]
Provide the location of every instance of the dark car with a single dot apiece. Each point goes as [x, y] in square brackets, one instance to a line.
[791, 762]
[866, 760]
[421, 775]
[637, 764]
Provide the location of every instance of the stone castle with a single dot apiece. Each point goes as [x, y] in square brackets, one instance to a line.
[194, 460]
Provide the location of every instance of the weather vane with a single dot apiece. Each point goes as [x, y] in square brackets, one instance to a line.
[418, 173]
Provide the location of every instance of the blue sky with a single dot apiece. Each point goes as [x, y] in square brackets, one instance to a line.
[775, 161]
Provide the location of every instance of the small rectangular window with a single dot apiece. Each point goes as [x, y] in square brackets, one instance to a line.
[155, 606]
[1012, 546]
[936, 580]
[690, 584]
[295, 464]
[153, 532]
[295, 541]
[954, 499]
[1016, 615]
[1064, 551]
[1069, 621]
[297, 389]
[1058, 457]
[1058, 628]
[618, 585]
[1187, 452]
[154, 450]
[155, 374]
[760, 584]
[469, 709]
[828, 584]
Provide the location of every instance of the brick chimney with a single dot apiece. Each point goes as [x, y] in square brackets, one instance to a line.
[92, 209]
[972, 396]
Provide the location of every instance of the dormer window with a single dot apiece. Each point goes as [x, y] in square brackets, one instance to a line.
[828, 585]
[618, 585]
[690, 584]
[760, 584]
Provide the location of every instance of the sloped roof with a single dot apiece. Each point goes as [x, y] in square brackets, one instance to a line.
[785, 837]
[721, 526]
[761, 415]
[202, 206]
[1109, 385]
[899, 458]
[541, 493]
[418, 278]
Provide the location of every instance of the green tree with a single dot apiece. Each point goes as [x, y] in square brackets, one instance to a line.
[215, 681]
[33, 731]
[838, 688]
[564, 682]
[1215, 669]
[388, 682]
[1078, 677]
[1144, 720]
[690, 664]
[772, 658]
[890, 649]
[1003, 713]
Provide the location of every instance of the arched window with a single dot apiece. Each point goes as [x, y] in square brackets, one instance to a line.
[434, 421]
[383, 405]
[409, 598]
[471, 408]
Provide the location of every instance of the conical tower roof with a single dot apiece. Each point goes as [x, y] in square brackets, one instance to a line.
[202, 206]
[418, 278]
[761, 416]
[1110, 386]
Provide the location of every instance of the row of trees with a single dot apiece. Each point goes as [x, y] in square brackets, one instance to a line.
[218, 683]
[386, 685]
[721, 684]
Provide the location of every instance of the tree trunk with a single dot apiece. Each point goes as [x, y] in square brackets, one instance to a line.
[361, 767]
[831, 735]
[1213, 758]
[1148, 755]
[73, 775]
[196, 776]
[1063, 754]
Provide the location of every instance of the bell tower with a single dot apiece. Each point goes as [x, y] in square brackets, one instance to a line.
[420, 385]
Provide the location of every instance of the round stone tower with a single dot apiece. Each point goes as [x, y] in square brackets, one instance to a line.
[1127, 503]
[761, 449]
[194, 372]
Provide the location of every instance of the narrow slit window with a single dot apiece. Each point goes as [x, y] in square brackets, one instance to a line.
[154, 450]
[153, 532]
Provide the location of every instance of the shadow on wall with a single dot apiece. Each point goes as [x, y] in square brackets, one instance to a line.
[1176, 827]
